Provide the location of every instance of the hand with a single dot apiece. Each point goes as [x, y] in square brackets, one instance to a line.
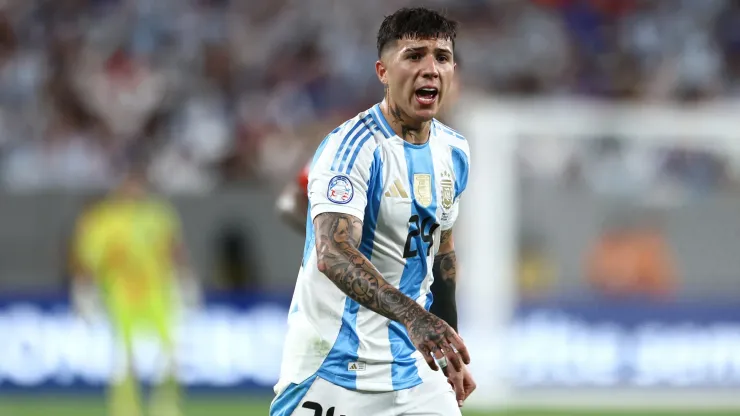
[461, 381]
[432, 336]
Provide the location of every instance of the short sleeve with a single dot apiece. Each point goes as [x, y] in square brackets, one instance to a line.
[338, 179]
[461, 167]
[449, 218]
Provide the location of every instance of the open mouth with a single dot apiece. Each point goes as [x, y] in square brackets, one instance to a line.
[426, 95]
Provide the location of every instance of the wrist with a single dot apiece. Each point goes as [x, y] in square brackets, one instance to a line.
[412, 314]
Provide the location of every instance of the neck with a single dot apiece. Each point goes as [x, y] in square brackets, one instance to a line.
[409, 130]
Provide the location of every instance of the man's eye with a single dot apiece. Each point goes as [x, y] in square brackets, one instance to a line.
[443, 58]
[415, 57]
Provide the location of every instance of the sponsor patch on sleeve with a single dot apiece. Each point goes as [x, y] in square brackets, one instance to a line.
[340, 190]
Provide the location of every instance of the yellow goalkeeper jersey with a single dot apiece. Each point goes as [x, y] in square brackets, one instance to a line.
[127, 247]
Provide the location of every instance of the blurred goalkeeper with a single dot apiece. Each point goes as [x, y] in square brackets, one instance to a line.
[128, 249]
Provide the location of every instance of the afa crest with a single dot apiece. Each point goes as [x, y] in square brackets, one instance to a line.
[448, 190]
[423, 189]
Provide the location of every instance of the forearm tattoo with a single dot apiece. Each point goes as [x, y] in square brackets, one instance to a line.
[447, 267]
[443, 289]
[337, 240]
[445, 238]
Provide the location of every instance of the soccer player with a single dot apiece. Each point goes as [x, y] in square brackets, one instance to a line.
[292, 204]
[128, 249]
[383, 191]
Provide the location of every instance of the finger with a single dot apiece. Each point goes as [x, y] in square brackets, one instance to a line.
[462, 341]
[452, 357]
[440, 358]
[459, 387]
[457, 342]
[428, 357]
[470, 388]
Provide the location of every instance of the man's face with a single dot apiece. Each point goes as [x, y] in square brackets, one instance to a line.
[418, 74]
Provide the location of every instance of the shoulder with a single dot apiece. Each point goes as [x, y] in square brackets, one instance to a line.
[459, 153]
[360, 126]
[456, 141]
[86, 219]
[93, 223]
[450, 136]
[95, 212]
[159, 207]
[448, 132]
[352, 143]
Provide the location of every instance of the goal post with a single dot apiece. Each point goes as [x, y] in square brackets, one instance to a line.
[487, 238]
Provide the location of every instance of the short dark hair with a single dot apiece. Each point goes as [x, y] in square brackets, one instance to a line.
[418, 22]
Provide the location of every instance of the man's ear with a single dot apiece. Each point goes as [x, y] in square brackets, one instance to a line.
[381, 72]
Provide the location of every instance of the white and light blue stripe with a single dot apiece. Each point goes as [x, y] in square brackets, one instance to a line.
[286, 403]
[358, 334]
[418, 161]
[385, 128]
[345, 349]
[460, 167]
[360, 129]
[446, 129]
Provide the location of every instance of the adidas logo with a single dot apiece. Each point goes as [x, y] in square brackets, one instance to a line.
[396, 190]
[356, 366]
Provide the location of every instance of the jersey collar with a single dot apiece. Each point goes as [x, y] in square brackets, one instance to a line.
[380, 120]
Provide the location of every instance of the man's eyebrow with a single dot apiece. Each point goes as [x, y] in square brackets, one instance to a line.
[415, 49]
[424, 48]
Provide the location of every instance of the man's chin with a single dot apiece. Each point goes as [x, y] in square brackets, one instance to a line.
[422, 115]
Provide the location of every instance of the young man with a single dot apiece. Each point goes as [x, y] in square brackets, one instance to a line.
[383, 193]
[128, 248]
[292, 204]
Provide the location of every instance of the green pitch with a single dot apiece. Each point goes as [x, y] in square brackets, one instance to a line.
[231, 406]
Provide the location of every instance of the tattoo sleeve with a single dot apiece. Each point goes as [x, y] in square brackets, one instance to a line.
[337, 240]
[445, 282]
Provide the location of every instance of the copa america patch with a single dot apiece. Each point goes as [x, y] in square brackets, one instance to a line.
[340, 190]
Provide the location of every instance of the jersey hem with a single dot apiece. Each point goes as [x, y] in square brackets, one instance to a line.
[351, 384]
[340, 209]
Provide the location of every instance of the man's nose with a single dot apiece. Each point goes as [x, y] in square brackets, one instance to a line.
[429, 67]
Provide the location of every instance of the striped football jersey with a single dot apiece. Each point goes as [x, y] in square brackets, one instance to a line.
[405, 194]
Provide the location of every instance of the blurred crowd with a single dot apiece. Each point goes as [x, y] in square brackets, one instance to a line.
[629, 170]
[214, 92]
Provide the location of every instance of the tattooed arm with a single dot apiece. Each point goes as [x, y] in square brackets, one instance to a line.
[337, 240]
[445, 307]
[445, 280]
